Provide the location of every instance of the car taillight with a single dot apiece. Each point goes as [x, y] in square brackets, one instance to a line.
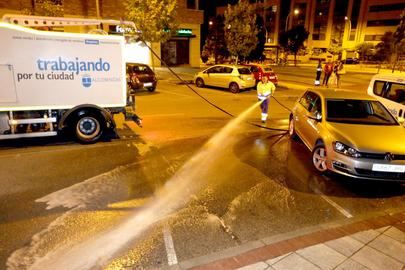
[260, 75]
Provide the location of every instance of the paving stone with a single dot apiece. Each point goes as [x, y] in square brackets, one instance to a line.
[351, 265]
[294, 262]
[396, 234]
[322, 256]
[256, 266]
[383, 229]
[365, 236]
[274, 260]
[375, 260]
[390, 247]
[346, 245]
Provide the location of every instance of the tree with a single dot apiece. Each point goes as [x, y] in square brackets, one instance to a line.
[240, 29]
[215, 45]
[257, 53]
[399, 39]
[365, 50]
[51, 8]
[293, 40]
[399, 34]
[155, 20]
[385, 48]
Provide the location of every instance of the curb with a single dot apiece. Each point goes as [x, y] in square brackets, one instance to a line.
[274, 246]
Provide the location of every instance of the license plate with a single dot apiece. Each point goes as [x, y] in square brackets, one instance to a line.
[389, 168]
[148, 84]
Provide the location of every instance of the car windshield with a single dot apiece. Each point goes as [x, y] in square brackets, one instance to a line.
[141, 69]
[352, 111]
[244, 71]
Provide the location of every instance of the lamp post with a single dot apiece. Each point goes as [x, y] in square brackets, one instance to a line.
[350, 26]
[296, 12]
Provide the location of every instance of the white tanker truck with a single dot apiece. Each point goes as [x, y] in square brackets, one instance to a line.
[53, 82]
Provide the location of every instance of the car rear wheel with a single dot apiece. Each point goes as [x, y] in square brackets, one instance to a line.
[151, 89]
[234, 88]
[319, 158]
[291, 129]
[199, 82]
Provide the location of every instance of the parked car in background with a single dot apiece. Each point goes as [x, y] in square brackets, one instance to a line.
[351, 60]
[141, 76]
[259, 71]
[350, 133]
[232, 77]
[390, 90]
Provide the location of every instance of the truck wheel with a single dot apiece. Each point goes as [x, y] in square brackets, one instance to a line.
[234, 88]
[88, 129]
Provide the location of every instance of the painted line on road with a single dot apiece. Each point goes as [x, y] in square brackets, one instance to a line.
[170, 251]
[173, 93]
[331, 202]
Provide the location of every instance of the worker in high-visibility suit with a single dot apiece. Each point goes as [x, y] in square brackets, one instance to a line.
[265, 89]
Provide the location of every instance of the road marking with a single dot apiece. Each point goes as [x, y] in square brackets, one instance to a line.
[338, 207]
[171, 253]
[173, 93]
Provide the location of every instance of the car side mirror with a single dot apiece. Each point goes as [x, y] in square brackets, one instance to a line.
[317, 116]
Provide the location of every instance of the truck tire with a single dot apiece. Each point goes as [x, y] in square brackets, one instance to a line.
[88, 128]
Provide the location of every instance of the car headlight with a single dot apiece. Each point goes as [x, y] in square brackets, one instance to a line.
[346, 150]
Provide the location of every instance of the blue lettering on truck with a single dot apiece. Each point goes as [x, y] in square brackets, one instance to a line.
[76, 66]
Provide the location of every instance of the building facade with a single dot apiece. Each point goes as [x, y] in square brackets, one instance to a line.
[340, 23]
[182, 49]
[346, 23]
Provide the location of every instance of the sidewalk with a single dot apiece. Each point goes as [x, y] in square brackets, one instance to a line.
[376, 243]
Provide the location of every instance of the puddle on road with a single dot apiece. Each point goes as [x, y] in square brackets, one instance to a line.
[97, 252]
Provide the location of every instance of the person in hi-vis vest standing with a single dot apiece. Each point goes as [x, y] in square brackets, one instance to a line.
[265, 89]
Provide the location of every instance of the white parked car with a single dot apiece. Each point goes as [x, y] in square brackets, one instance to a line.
[389, 89]
[226, 76]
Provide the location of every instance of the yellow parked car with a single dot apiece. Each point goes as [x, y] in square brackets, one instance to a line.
[232, 77]
[350, 133]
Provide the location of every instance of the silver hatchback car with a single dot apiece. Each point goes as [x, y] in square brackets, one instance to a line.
[350, 133]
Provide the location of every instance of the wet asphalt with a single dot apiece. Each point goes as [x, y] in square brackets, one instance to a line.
[256, 184]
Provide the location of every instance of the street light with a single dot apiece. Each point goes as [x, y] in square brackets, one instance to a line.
[296, 12]
[350, 26]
